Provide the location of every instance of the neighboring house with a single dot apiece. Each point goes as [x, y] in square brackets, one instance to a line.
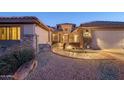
[24, 31]
[93, 35]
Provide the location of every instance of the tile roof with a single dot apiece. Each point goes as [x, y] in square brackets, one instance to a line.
[103, 24]
[22, 20]
[67, 24]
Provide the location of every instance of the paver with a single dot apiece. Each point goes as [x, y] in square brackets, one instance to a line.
[55, 67]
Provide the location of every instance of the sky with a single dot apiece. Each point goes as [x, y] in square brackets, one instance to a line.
[53, 18]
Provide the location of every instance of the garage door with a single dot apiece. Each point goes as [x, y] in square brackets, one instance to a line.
[107, 39]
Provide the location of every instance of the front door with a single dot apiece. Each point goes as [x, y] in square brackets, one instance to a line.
[65, 38]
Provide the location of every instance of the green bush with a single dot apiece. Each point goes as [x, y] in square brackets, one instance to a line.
[9, 63]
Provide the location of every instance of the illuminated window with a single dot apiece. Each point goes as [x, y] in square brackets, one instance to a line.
[76, 38]
[55, 37]
[87, 34]
[65, 38]
[10, 33]
[71, 38]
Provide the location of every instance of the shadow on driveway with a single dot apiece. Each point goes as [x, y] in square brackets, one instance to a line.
[108, 71]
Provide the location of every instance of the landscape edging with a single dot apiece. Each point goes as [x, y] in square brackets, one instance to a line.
[66, 55]
[24, 70]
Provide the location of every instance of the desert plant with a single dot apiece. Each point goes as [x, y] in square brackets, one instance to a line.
[24, 55]
[10, 62]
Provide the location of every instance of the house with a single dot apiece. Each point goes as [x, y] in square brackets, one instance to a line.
[66, 33]
[92, 35]
[26, 31]
[29, 31]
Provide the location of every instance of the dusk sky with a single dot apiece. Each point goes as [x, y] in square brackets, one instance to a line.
[53, 18]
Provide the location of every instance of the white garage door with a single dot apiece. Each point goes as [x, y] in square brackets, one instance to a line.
[108, 39]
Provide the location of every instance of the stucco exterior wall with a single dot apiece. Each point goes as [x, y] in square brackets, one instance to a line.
[42, 35]
[106, 39]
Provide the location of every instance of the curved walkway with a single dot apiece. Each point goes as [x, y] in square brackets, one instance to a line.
[55, 67]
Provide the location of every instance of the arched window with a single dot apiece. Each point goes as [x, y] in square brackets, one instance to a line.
[87, 34]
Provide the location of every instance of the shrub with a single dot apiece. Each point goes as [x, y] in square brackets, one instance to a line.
[24, 55]
[9, 63]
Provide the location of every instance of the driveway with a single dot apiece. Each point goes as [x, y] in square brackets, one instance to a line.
[55, 67]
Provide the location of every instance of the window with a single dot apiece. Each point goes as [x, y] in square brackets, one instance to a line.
[10, 33]
[76, 38]
[66, 29]
[55, 37]
[87, 31]
[87, 34]
[71, 38]
[65, 38]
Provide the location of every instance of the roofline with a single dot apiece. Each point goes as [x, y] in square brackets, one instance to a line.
[34, 20]
[66, 24]
[103, 24]
[103, 27]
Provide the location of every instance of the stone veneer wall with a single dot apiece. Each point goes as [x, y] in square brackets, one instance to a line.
[27, 41]
[10, 45]
[7, 46]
